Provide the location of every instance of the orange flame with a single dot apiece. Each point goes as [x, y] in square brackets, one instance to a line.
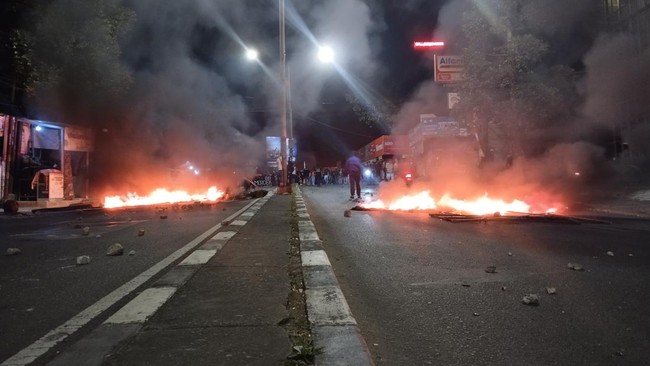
[160, 196]
[480, 206]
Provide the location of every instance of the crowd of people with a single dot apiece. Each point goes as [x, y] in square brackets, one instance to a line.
[353, 172]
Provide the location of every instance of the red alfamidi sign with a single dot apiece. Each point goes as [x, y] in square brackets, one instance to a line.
[428, 45]
[448, 69]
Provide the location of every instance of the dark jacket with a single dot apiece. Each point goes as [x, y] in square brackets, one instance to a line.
[353, 165]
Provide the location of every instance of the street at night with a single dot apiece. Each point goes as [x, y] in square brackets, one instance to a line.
[421, 290]
[341, 182]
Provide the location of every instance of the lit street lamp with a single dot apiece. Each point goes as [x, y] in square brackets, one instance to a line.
[326, 55]
[251, 54]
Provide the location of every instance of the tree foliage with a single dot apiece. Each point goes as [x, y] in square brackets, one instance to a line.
[70, 54]
[510, 92]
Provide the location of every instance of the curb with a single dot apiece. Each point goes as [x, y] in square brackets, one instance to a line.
[333, 327]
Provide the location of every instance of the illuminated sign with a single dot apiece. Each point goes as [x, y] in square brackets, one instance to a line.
[428, 44]
[448, 69]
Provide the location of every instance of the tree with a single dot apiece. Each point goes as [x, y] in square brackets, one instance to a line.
[509, 92]
[70, 56]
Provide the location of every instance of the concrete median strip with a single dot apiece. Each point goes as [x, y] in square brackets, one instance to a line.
[334, 329]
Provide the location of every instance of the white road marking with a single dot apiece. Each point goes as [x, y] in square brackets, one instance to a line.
[49, 340]
[238, 223]
[199, 256]
[224, 235]
[142, 307]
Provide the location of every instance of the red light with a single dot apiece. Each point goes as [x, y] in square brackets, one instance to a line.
[428, 44]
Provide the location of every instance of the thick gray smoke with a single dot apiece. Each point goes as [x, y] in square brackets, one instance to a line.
[190, 96]
[578, 152]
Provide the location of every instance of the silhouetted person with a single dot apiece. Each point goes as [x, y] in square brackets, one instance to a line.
[354, 168]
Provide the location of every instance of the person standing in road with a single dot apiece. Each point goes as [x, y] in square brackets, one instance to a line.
[388, 168]
[354, 168]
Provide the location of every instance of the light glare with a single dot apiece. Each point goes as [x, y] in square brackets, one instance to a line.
[326, 54]
[251, 54]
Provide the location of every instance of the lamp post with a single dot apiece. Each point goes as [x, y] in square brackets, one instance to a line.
[284, 187]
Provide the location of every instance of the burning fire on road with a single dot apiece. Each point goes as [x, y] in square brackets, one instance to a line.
[162, 196]
[484, 205]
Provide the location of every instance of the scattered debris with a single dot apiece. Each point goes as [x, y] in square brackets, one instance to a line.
[491, 269]
[509, 254]
[630, 255]
[163, 217]
[132, 252]
[619, 353]
[225, 222]
[575, 267]
[86, 230]
[476, 314]
[465, 285]
[13, 251]
[531, 299]
[551, 290]
[141, 232]
[610, 253]
[503, 288]
[347, 213]
[83, 259]
[115, 250]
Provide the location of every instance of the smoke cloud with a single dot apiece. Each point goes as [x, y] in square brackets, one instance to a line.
[188, 95]
[572, 155]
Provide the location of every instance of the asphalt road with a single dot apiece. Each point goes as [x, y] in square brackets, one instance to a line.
[43, 287]
[419, 289]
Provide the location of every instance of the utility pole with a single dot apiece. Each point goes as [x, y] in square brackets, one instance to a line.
[284, 187]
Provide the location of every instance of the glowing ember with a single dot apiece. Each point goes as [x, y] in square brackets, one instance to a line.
[480, 206]
[159, 196]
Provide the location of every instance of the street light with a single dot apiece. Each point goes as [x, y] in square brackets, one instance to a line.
[326, 54]
[251, 54]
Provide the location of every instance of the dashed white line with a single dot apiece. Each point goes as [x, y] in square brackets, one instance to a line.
[142, 307]
[200, 256]
[52, 338]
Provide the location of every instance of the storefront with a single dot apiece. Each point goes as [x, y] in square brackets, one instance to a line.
[43, 160]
